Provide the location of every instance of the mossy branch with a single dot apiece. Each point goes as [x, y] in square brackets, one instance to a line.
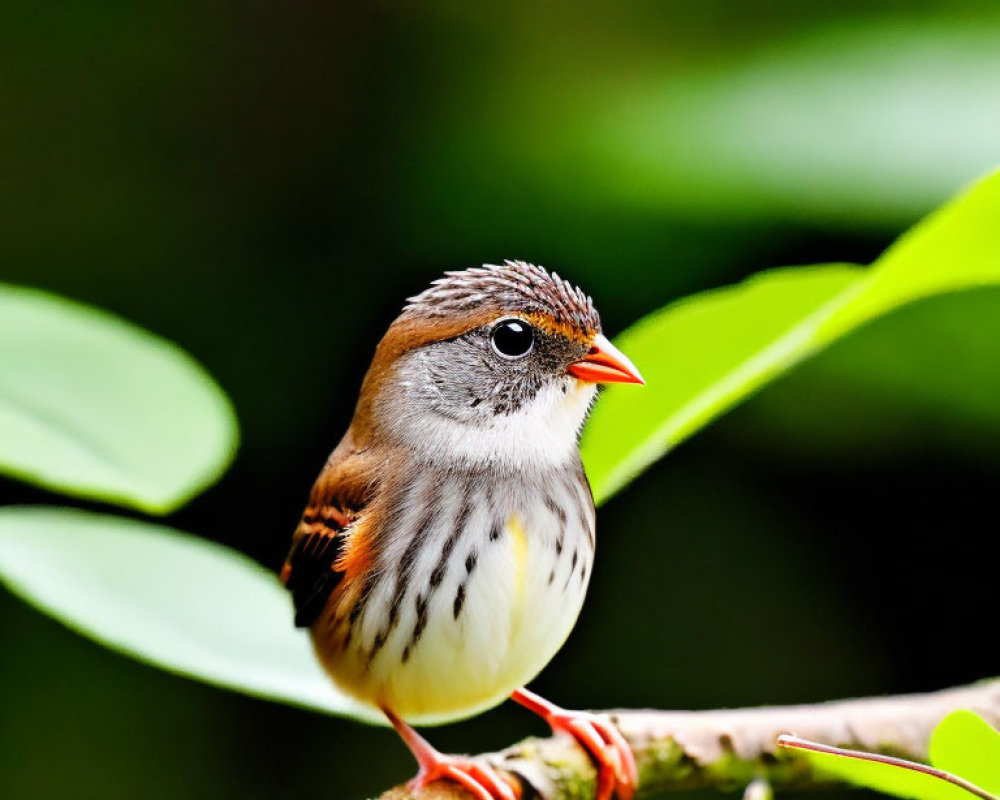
[732, 749]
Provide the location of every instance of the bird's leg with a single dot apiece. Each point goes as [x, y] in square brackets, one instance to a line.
[616, 770]
[481, 780]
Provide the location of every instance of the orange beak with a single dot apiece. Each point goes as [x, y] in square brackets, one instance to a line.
[605, 363]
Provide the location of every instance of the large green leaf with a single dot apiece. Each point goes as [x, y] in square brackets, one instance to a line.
[965, 744]
[93, 406]
[703, 354]
[923, 376]
[166, 598]
[889, 775]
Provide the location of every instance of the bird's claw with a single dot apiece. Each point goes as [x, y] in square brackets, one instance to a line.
[616, 770]
[483, 781]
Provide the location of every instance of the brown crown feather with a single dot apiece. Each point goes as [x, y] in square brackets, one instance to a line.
[515, 287]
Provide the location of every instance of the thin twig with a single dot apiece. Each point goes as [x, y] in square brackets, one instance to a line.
[876, 758]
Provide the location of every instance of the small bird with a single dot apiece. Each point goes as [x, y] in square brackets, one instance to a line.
[446, 548]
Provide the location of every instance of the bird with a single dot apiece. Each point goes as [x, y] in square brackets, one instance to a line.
[447, 544]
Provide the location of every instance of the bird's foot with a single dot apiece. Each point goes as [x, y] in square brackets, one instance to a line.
[483, 781]
[616, 770]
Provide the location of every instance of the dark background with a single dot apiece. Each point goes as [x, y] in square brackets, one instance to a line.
[265, 183]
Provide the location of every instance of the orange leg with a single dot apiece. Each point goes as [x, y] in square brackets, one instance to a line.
[616, 770]
[481, 780]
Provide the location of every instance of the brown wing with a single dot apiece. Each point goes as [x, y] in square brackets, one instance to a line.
[322, 541]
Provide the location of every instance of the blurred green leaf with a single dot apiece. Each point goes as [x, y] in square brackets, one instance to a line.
[703, 354]
[965, 744]
[93, 406]
[889, 775]
[851, 124]
[166, 598]
[923, 376]
[863, 123]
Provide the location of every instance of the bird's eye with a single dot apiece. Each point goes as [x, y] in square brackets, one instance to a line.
[513, 338]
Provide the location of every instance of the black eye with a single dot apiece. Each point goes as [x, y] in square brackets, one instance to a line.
[513, 338]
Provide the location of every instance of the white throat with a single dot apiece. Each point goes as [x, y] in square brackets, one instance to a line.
[542, 434]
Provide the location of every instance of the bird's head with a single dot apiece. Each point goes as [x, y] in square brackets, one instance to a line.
[496, 364]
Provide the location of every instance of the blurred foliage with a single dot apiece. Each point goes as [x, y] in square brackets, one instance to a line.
[813, 127]
[705, 353]
[965, 760]
[92, 406]
[286, 174]
[166, 598]
[922, 377]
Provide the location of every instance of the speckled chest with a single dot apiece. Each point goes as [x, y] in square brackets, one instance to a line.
[482, 590]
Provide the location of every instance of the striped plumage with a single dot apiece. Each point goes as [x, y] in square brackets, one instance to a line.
[473, 602]
[446, 549]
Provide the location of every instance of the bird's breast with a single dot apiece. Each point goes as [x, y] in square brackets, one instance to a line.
[474, 600]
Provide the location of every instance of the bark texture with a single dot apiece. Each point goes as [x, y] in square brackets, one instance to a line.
[731, 749]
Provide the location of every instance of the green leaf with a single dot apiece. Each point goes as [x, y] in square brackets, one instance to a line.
[885, 774]
[702, 355]
[166, 598]
[965, 744]
[923, 376]
[93, 406]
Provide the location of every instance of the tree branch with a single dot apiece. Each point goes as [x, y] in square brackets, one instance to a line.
[730, 749]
